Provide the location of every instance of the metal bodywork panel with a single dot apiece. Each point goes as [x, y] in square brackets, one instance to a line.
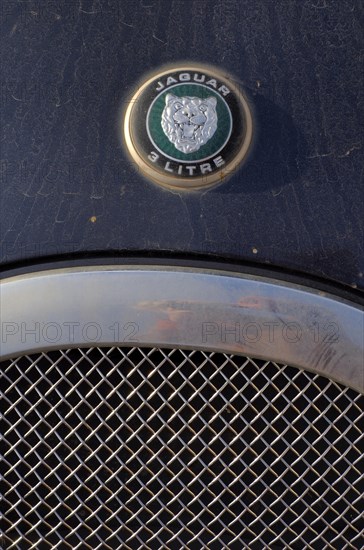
[69, 187]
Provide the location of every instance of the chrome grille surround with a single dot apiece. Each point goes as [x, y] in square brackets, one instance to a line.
[189, 308]
[135, 448]
[155, 430]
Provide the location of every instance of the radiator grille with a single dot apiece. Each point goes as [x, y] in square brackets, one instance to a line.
[148, 448]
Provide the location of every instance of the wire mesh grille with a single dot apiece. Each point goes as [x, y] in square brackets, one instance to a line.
[148, 448]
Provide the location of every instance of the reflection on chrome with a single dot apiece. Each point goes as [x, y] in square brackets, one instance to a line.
[183, 307]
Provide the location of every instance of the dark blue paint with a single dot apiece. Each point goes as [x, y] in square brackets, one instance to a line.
[68, 70]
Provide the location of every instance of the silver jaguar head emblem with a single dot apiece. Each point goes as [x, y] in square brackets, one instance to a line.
[189, 122]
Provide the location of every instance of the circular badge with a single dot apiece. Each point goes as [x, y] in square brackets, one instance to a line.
[188, 127]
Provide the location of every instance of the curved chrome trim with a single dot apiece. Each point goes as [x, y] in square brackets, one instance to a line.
[186, 308]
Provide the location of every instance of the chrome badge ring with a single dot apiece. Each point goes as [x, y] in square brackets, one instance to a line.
[188, 127]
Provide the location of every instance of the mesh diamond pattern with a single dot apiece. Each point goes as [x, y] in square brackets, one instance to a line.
[151, 449]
